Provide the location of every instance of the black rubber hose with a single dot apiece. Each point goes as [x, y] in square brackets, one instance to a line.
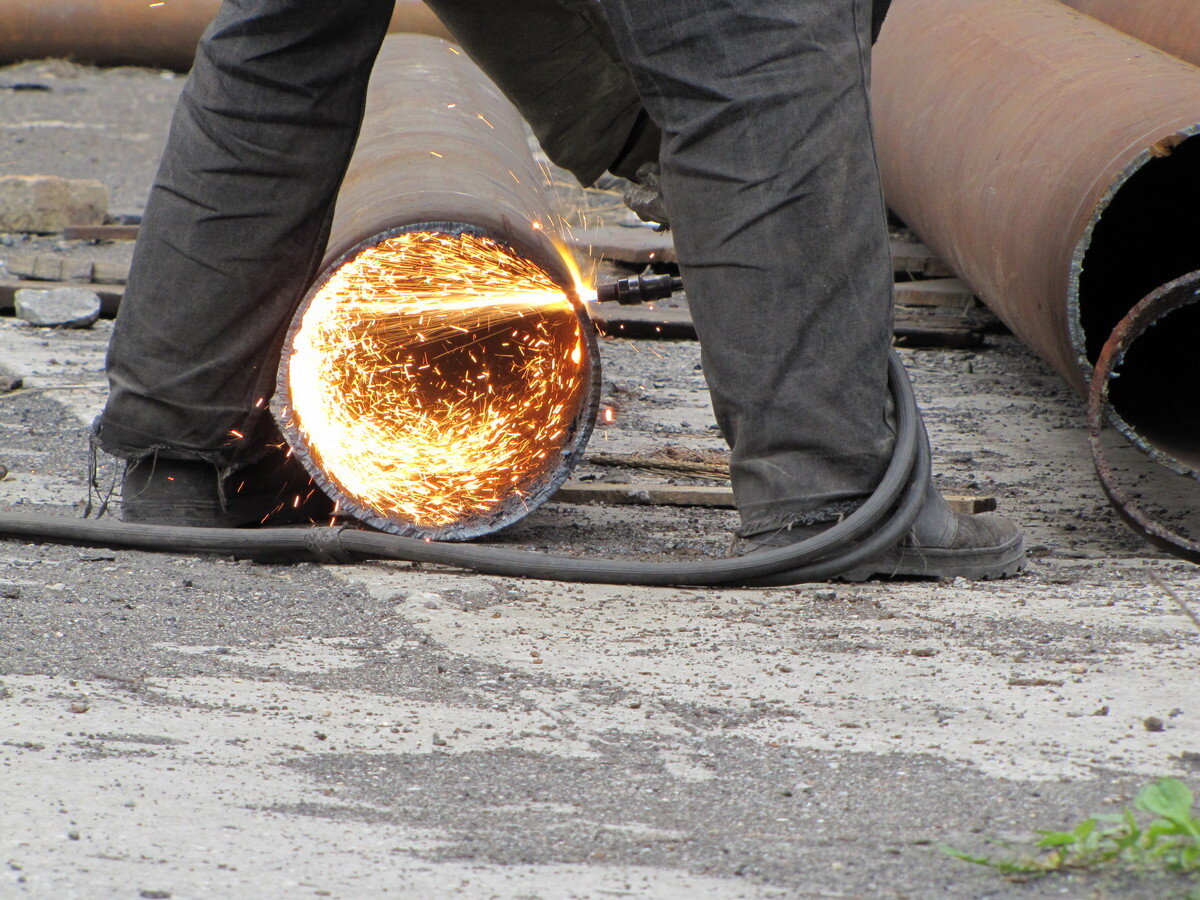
[878, 524]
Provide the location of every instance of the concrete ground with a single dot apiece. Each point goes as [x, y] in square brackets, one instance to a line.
[196, 727]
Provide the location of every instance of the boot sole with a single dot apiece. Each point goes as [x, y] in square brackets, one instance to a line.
[236, 514]
[974, 564]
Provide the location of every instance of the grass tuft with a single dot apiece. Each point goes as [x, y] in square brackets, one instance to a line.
[1165, 838]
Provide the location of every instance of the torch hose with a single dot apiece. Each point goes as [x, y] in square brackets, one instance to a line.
[877, 525]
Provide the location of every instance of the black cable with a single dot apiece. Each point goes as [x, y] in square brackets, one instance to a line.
[880, 523]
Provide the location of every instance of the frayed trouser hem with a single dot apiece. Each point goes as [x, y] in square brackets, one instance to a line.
[830, 512]
[135, 446]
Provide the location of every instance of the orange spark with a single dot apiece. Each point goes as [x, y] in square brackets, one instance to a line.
[434, 377]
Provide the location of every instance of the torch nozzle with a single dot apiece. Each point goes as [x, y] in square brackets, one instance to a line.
[642, 289]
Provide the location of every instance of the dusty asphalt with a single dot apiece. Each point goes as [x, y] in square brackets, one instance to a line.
[206, 727]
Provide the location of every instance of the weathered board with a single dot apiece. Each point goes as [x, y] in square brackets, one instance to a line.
[651, 494]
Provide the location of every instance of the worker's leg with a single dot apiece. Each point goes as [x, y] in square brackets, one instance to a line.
[558, 63]
[236, 224]
[769, 173]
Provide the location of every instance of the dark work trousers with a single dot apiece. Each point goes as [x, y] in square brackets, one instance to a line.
[768, 171]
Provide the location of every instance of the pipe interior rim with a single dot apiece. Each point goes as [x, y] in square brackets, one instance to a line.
[1150, 375]
[513, 509]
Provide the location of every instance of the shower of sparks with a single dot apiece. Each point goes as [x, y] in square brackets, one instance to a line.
[434, 377]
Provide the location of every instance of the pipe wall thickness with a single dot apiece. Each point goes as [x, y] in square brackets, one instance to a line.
[136, 32]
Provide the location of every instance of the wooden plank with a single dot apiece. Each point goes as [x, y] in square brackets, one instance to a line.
[110, 295]
[912, 329]
[101, 233]
[650, 494]
[970, 505]
[48, 267]
[645, 494]
[715, 469]
[635, 246]
[642, 246]
[642, 321]
[110, 273]
[914, 258]
[935, 292]
[917, 329]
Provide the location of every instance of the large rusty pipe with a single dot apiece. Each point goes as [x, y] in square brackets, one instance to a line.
[1170, 25]
[136, 32]
[441, 143]
[443, 152]
[1051, 161]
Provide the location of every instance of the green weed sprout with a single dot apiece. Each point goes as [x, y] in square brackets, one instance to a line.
[1170, 841]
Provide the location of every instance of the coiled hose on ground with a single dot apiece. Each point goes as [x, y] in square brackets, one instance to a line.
[877, 525]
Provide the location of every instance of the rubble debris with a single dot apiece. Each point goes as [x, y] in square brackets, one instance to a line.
[110, 295]
[45, 204]
[67, 307]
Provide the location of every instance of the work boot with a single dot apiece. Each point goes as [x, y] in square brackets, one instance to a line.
[941, 544]
[275, 490]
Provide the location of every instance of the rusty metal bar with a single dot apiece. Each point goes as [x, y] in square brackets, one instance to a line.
[441, 150]
[1170, 25]
[136, 32]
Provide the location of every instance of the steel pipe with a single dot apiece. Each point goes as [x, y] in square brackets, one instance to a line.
[442, 152]
[1146, 384]
[136, 32]
[1170, 25]
[1050, 160]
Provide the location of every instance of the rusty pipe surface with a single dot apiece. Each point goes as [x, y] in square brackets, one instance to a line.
[1050, 160]
[442, 151]
[1170, 25]
[136, 32]
[441, 143]
[1046, 157]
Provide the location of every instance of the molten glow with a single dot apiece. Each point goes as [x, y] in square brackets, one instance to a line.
[585, 291]
[436, 377]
